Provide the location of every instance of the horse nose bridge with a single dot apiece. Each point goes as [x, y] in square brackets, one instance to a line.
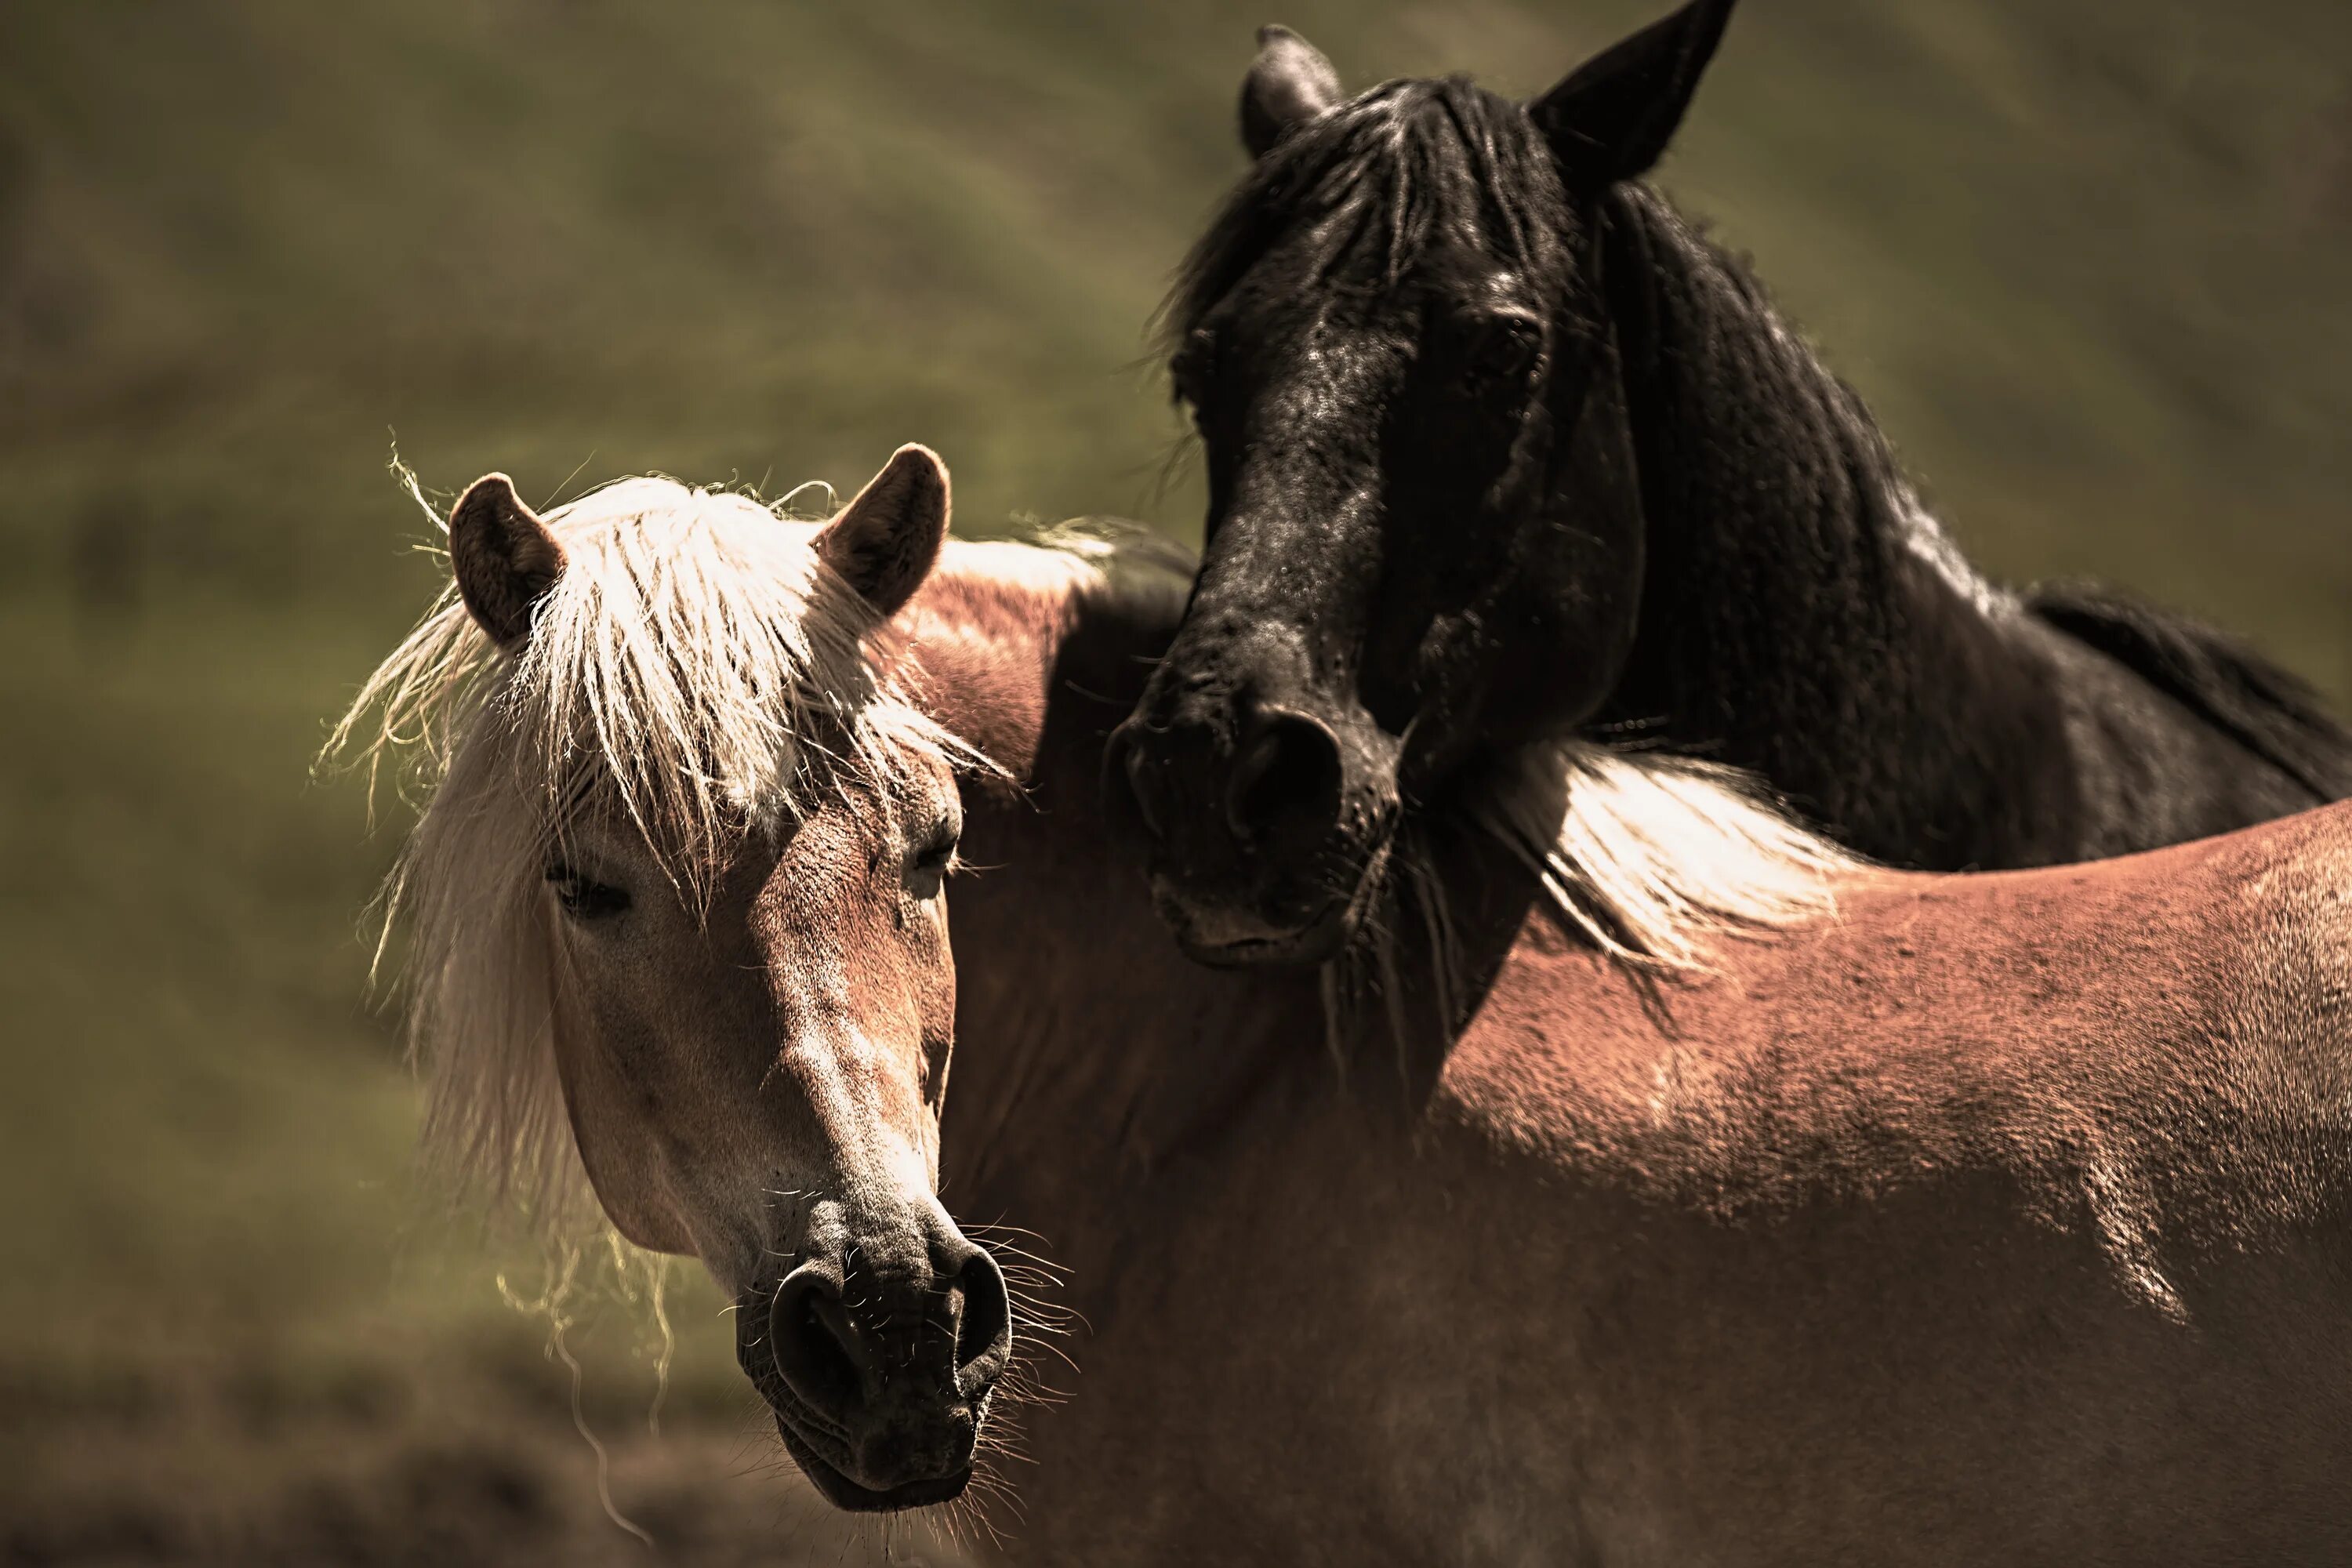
[845, 1087]
[1279, 607]
[1322, 388]
[1309, 452]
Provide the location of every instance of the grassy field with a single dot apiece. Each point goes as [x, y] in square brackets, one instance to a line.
[2094, 268]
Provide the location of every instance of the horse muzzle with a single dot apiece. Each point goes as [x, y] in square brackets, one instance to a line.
[879, 1379]
[1259, 828]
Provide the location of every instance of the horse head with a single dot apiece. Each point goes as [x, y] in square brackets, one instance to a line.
[691, 831]
[1424, 536]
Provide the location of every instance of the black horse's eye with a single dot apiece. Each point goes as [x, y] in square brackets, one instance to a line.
[1190, 367]
[583, 898]
[1503, 351]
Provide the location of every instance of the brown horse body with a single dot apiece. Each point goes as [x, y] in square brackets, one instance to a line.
[2001, 1220]
[1994, 1220]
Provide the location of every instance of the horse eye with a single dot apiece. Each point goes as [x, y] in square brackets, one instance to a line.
[1506, 350]
[1188, 369]
[583, 898]
[936, 855]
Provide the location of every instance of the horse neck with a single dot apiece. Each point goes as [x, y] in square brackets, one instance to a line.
[1801, 615]
[1110, 1096]
[1090, 1054]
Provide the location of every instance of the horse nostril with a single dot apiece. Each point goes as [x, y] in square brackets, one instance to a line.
[1151, 790]
[983, 1328]
[1288, 776]
[813, 1343]
[1133, 778]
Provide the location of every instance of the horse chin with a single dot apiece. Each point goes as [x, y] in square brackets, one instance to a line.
[1223, 945]
[854, 1497]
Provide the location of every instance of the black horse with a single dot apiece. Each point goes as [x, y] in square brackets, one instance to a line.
[1499, 448]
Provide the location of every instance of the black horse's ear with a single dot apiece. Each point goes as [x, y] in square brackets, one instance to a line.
[1288, 84]
[1612, 118]
[504, 558]
[886, 541]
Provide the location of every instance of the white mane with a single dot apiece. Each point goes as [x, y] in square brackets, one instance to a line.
[689, 669]
[1655, 857]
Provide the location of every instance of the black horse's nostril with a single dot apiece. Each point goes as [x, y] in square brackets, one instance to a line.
[1151, 790]
[812, 1341]
[1132, 778]
[1287, 777]
[984, 1325]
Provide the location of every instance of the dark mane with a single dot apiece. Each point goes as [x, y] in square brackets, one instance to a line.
[1755, 455]
[2271, 712]
[1799, 604]
[1391, 172]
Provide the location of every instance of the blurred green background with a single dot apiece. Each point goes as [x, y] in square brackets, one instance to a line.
[2091, 264]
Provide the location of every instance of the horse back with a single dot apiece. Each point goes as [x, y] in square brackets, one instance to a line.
[2019, 1198]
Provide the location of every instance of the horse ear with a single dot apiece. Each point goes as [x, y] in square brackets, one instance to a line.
[1612, 118]
[886, 541]
[1288, 84]
[504, 558]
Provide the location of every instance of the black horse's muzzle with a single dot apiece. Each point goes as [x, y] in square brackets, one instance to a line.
[1258, 823]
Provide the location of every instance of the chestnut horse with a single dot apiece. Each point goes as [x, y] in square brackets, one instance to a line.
[1689, 1192]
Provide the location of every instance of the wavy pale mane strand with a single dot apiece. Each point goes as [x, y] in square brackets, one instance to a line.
[1656, 856]
[694, 669]
[1652, 859]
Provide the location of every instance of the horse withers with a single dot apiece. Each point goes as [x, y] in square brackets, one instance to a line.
[1963, 1220]
[1498, 449]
